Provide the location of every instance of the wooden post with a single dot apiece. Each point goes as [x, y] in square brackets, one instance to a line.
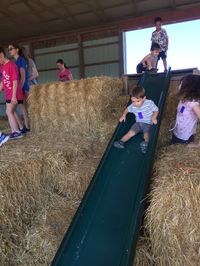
[121, 54]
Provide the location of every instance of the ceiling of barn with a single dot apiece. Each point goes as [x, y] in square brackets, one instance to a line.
[28, 18]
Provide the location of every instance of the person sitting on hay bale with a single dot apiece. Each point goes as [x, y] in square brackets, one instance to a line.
[145, 112]
[188, 111]
[149, 62]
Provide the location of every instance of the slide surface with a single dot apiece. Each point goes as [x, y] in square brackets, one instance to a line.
[105, 228]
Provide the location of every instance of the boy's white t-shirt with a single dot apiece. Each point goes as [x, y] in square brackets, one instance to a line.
[186, 120]
[145, 112]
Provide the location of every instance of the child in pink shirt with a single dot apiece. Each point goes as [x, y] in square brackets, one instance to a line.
[14, 95]
[64, 74]
[188, 111]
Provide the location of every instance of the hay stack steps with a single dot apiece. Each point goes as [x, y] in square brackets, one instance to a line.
[77, 107]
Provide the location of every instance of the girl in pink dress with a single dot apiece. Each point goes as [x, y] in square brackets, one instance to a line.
[188, 111]
[64, 74]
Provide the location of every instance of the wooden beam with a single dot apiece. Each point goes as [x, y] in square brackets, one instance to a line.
[81, 56]
[169, 16]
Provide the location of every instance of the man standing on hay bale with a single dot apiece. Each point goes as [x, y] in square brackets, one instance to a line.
[145, 112]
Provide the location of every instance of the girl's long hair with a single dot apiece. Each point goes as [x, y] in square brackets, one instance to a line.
[21, 53]
[190, 88]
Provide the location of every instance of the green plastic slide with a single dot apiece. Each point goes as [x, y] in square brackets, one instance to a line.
[105, 228]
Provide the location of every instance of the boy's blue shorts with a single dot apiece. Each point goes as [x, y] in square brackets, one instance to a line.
[162, 55]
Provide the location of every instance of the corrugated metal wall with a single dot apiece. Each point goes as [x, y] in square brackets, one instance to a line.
[99, 57]
[46, 58]
[85, 59]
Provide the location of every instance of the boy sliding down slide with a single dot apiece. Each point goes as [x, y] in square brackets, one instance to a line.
[145, 112]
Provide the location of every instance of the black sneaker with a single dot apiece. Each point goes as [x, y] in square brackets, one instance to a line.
[144, 146]
[24, 130]
[16, 135]
[119, 144]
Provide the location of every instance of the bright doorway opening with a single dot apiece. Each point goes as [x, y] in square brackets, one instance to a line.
[184, 46]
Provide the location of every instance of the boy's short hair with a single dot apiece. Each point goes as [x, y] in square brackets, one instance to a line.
[155, 46]
[137, 92]
[156, 19]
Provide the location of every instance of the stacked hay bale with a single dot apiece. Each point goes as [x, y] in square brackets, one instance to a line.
[172, 223]
[78, 107]
[169, 114]
[44, 175]
[143, 255]
[173, 217]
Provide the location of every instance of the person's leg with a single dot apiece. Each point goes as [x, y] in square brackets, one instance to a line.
[128, 135]
[10, 110]
[157, 61]
[176, 140]
[140, 68]
[19, 122]
[132, 132]
[165, 64]
[146, 137]
[24, 111]
[146, 128]
[164, 59]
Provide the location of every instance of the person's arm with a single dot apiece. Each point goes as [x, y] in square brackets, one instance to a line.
[196, 110]
[123, 117]
[154, 118]
[167, 39]
[14, 92]
[70, 76]
[34, 72]
[22, 76]
[155, 110]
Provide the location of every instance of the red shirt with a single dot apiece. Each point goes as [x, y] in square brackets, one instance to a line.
[9, 74]
[64, 75]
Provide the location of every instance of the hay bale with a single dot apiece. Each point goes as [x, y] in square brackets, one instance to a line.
[143, 256]
[173, 217]
[41, 186]
[77, 107]
[169, 114]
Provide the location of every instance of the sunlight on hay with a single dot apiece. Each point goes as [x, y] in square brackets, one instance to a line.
[173, 217]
